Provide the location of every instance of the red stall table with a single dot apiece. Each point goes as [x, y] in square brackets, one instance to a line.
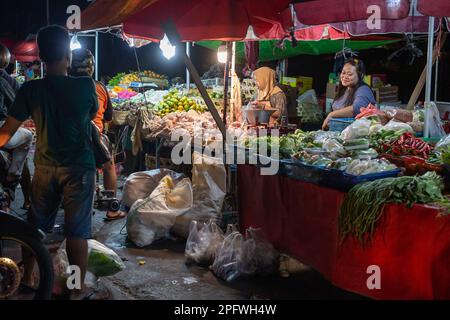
[411, 247]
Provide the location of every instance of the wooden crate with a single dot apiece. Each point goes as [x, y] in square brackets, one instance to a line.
[386, 94]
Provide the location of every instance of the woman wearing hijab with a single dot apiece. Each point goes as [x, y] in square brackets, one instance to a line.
[270, 95]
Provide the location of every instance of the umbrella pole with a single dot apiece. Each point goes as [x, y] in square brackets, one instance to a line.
[96, 55]
[188, 78]
[429, 75]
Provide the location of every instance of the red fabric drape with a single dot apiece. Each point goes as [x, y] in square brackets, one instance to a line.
[411, 246]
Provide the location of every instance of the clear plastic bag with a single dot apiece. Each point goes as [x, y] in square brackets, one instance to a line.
[203, 242]
[103, 261]
[363, 167]
[443, 144]
[358, 129]
[239, 257]
[334, 149]
[397, 125]
[225, 265]
[399, 114]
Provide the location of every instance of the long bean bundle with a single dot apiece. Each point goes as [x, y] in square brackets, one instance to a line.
[363, 205]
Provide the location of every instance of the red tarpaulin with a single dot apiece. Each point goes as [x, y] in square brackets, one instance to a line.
[410, 246]
[26, 51]
[108, 13]
[198, 20]
[331, 11]
[435, 8]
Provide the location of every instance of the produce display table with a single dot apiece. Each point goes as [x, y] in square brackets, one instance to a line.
[410, 246]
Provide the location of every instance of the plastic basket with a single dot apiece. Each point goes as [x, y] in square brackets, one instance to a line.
[339, 124]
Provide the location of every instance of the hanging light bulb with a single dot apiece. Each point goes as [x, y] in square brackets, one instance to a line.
[167, 48]
[74, 43]
[222, 54]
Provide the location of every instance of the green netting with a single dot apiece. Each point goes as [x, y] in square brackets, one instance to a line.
[268, 51]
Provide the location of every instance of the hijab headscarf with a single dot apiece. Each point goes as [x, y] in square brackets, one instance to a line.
[266, 79]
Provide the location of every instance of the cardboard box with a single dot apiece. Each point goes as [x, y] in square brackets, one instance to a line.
[289, 81]
[386, 94]
[331, 90]
[304, 84]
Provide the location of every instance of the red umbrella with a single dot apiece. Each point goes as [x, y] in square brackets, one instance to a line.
[196, 20]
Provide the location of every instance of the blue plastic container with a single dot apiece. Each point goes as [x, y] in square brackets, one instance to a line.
[304, 172]
[339, 124]
[354, 180]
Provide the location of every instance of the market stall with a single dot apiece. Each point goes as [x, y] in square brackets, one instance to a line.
[410, 246]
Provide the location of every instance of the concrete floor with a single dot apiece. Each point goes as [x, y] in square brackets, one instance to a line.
[166, 276]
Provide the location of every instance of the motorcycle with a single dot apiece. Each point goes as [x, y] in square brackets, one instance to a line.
[21, 241]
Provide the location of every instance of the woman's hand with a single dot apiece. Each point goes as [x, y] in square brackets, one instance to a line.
[326, 122]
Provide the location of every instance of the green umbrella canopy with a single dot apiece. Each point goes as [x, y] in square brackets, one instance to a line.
[268, 51]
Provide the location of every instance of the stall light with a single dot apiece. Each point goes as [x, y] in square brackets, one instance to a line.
[167, 48]
[74, 43]
[222, 54]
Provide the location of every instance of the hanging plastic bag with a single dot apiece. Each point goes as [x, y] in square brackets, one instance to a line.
[152, 218]
[103, 261]
[203, 243]
[433, 122]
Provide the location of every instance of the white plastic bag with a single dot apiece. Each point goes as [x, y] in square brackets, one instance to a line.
[140, 185]
[358, 129]
[209, 188]
[151, 218]
[308, 97]
[433, 122]
[203, 243]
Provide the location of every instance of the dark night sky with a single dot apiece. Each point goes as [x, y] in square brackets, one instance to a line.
[20, 18]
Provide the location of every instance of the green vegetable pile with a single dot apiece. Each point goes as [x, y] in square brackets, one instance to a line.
[364, 204]
[384, 136]
[115, 81]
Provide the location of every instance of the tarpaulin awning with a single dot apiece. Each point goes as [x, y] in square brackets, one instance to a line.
[198, 20]
[108, 13]
[26, 51]
[435, 8]
[332, 11]
[413, 22]
[269, 51]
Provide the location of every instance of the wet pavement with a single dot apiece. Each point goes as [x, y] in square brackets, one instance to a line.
[160, 271]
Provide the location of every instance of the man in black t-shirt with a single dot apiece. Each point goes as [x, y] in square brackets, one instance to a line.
[62, 108]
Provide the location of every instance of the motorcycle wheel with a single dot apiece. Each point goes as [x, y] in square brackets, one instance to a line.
[43, 262]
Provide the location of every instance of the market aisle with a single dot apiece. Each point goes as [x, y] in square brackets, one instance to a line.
[164, 275]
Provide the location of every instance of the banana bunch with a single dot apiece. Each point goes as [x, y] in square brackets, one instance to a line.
[154, 75]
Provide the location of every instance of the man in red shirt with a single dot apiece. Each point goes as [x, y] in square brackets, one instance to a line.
[83, 65]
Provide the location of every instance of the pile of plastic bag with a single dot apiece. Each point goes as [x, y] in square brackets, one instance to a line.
[203, 243]
[243, 257]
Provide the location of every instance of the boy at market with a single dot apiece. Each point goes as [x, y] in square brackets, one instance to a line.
[65, 163]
